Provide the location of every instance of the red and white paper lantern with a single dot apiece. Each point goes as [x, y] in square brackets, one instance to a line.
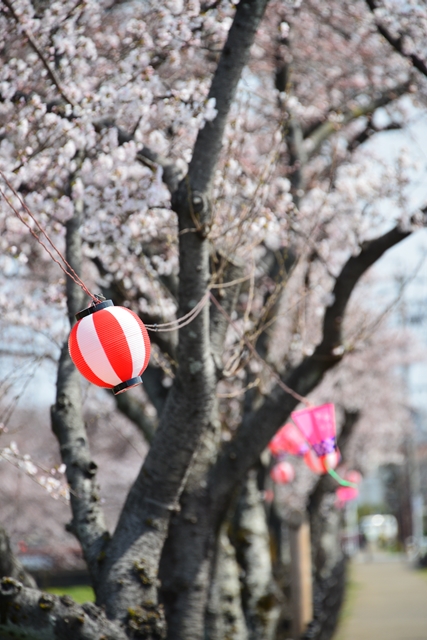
[110, 346]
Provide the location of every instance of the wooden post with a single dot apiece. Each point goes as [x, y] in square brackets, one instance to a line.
[301, 577]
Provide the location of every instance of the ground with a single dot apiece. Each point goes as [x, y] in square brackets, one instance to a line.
[387, 601]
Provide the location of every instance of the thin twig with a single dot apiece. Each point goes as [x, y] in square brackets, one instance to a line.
[254, 352]
[51, 73]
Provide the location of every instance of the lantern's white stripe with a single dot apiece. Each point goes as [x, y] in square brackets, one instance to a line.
[133, 334]
[93, 353]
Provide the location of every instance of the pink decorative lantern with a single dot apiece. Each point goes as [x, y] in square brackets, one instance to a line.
[288, 439]
[110, 346]
[317, 424]
[344, 495]
[282, 473]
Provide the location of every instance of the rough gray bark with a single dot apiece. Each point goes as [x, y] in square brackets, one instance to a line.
[188, 552]
[233, 58]
[10, 566]
[30, 614]
[329, 569]
[186, 559]
[261, 599]
[328, 599]
[224, 616]
[68, 426]
[132, 559]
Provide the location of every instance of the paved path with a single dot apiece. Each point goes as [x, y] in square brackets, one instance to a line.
[390, 602]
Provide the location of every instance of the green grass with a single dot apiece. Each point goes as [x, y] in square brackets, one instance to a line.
[347, 608]
[80, 594]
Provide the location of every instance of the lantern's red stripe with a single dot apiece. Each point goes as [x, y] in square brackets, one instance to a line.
[147, 343]
[80, 362]
[114, 343]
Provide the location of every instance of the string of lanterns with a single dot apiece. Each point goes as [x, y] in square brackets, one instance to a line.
[312, 436]
[110, 379]
[110, 347]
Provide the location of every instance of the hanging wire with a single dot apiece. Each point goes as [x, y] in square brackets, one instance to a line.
[183, 321]
[69, 271]
[167, 326]
[254, 352]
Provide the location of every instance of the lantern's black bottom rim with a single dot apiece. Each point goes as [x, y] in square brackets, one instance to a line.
[128, 384]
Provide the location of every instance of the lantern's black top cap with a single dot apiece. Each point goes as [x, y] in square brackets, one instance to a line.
[93, 308]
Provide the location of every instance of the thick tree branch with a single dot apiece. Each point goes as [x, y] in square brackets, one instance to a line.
[223, 88]
[68, 426]
[314, 138]
[10, 565]
[258, 428]
[31, 40]
[355, 267]
[143, 524]
[30, 614]
[186, 558]
[397, 43]
[233, 58]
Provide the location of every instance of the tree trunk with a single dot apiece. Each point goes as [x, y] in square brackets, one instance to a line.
[224, 617]
[329, 564]
[10, 566]
[252, 541]
[186, 565]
